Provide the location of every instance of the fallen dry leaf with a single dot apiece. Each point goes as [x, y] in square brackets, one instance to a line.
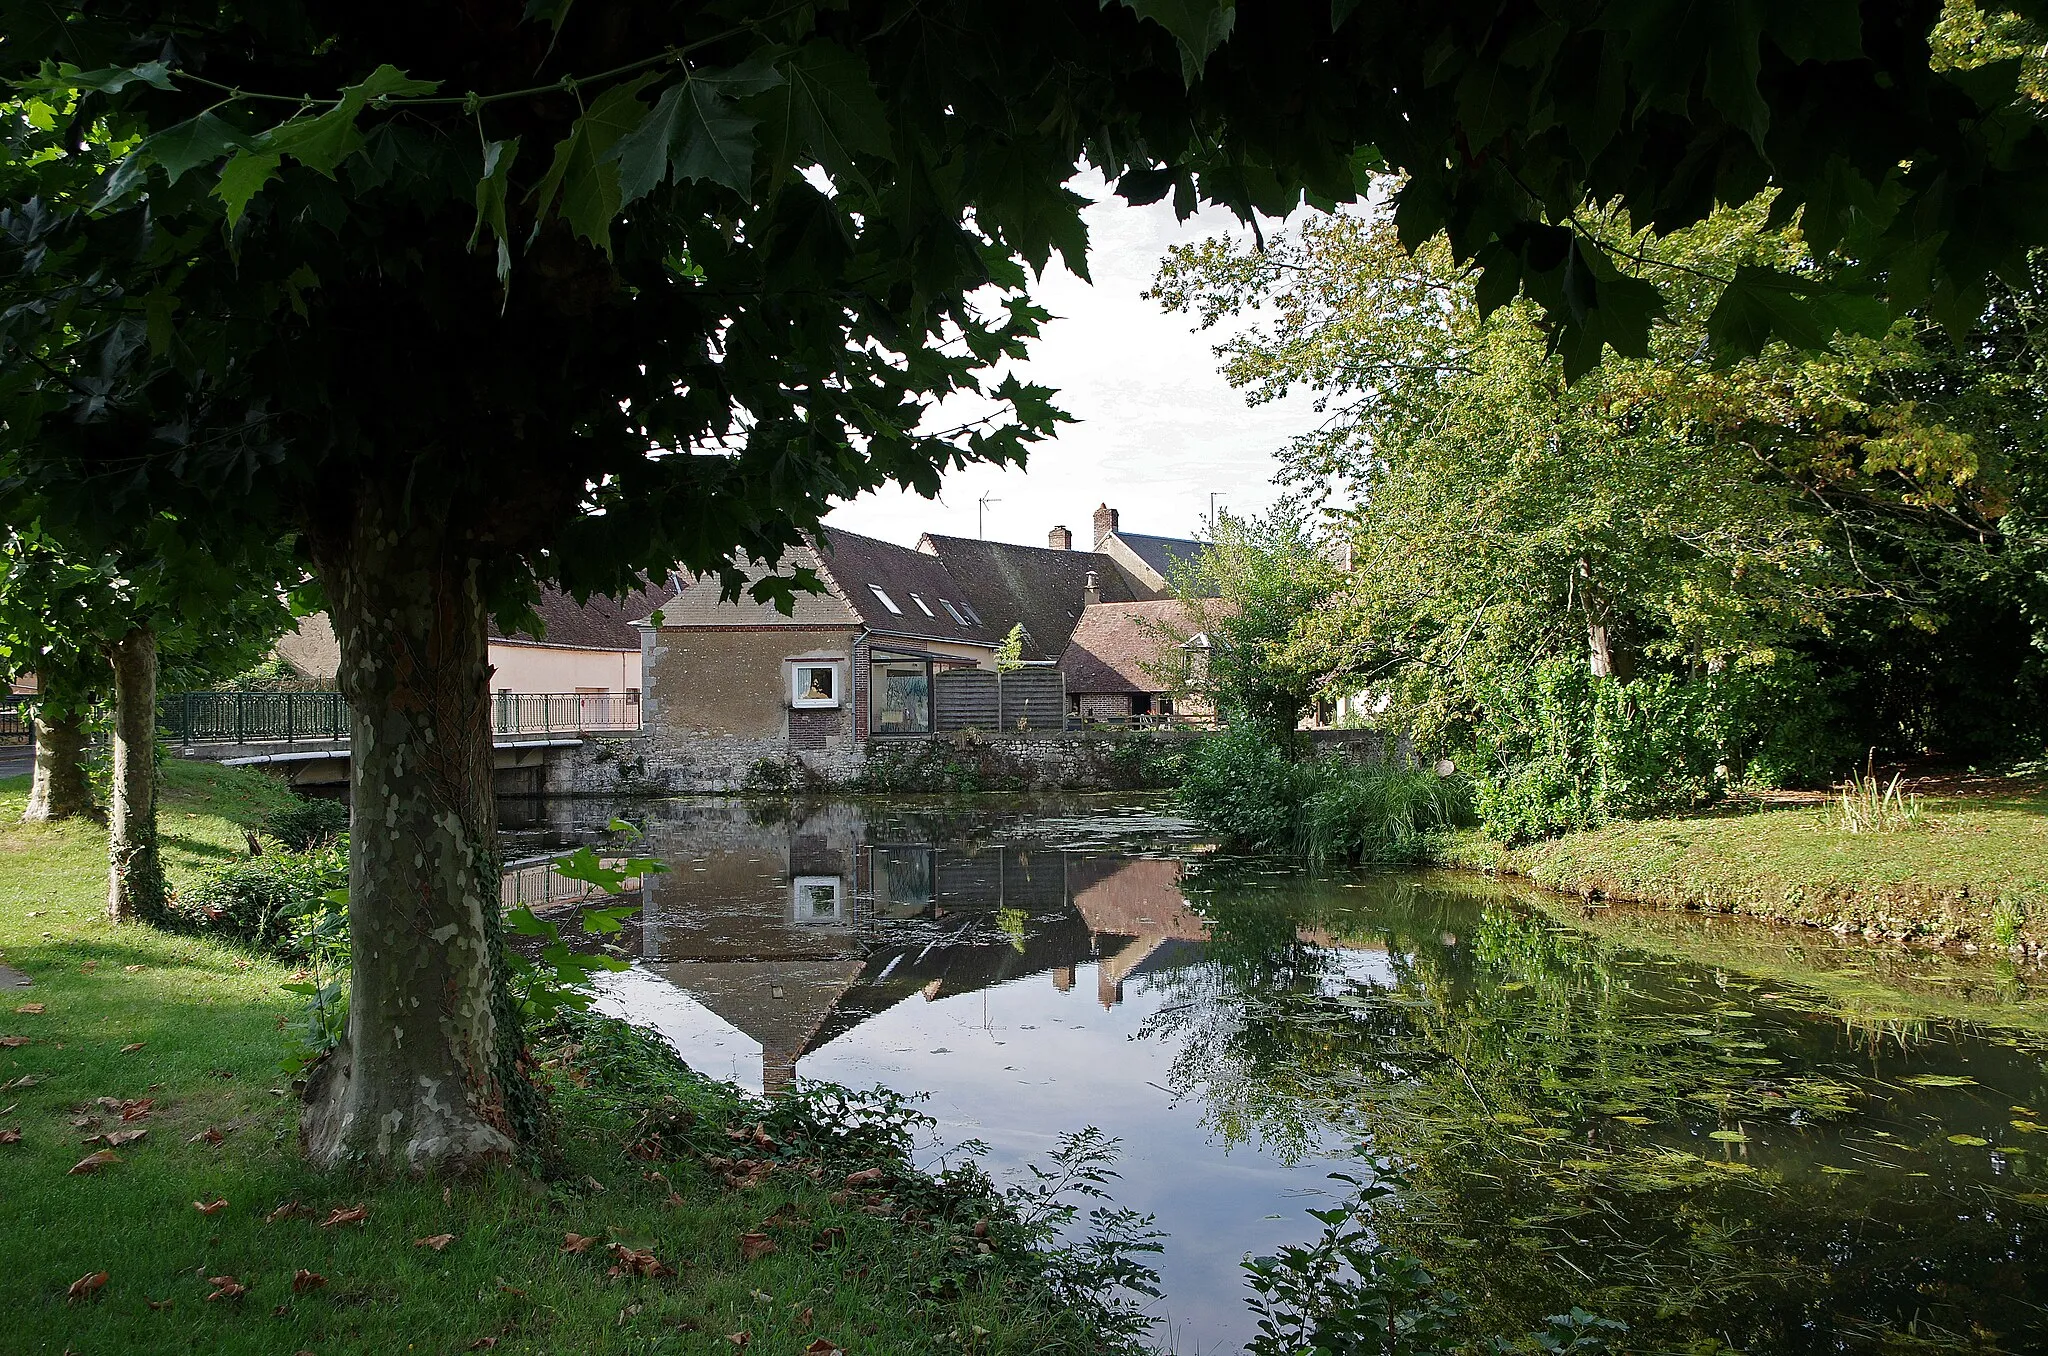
[132, 1046]
[30, 1009]
[210, 1207]
[210, 1135]
[136, 1108]
[13, 1042]
[85, 1287]
[287, 1211]
[753, 1246]
[157, 1305]
[574, 1242]
[304, 1280]
[485, 1343]
[803, 1320]
[354, 1214]
[674, 1201]
[739, 1339]
[119, 1137]
[863, 1177]
[93, 1162]
[131, 969]
[10, 1136]
[25, 1081]
[434, 1241]
[828, 1238]
[510, 1289]
[280, 1311]
[90, 966]
[821, 1347]
[639, 1262]
[225, 1287]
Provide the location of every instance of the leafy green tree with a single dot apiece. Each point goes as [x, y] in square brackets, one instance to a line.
[1255, 583]
[1682, 514]
[100, 627]
[473, 300]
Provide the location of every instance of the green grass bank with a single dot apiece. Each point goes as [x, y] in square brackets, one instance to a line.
[652, 1218]
[1973, 870]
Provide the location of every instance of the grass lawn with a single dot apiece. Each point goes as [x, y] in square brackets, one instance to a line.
[1974, 869]
[186, 1035]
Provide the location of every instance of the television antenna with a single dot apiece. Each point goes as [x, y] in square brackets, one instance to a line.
[981, 515]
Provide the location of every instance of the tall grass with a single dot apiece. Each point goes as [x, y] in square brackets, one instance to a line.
[1247, 789]
[1865, 806]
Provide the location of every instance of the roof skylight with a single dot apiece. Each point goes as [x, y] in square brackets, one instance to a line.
[887, 601]
[921, 607]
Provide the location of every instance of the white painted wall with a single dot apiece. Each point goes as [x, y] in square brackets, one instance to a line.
[555, 668]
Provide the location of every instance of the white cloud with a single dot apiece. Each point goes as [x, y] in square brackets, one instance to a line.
[1159, 427]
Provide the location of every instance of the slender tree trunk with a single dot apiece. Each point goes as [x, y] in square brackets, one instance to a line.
[59, 789]
[135, 872]
[423, 1076]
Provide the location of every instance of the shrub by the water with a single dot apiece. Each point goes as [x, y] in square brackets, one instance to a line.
[307, 823]
[1244, 786]
[277, 902]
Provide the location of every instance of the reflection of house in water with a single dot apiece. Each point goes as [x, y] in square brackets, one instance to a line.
[795, 932]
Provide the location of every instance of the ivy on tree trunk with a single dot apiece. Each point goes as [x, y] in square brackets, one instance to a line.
[423, 1078]
[59, 789]
[135, 873]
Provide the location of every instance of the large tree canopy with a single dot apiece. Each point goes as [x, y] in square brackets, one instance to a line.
[474, 293]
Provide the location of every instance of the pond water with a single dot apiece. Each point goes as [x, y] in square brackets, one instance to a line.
[1719, 1133]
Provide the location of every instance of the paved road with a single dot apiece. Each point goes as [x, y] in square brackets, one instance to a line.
[16, 760]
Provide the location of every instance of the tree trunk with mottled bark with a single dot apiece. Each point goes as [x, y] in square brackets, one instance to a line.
[135, 872]
[421, 1079]
[59, 789]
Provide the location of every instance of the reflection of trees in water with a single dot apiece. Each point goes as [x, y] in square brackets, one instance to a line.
[1554, 1104]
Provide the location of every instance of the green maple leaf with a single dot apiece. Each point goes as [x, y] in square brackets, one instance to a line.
[242, 178]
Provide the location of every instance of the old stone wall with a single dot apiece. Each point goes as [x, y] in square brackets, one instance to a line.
[672, 763]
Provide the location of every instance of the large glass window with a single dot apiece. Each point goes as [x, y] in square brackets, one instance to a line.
[900, 697]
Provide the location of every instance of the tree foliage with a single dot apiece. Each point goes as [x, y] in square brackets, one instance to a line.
[1685, 514]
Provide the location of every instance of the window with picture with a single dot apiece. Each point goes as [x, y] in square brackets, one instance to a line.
[814, 684]
[816, 900]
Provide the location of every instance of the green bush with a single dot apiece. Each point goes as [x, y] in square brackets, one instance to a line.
[1558, 750]
[1245, 787]
[308, 823]
[278, 902]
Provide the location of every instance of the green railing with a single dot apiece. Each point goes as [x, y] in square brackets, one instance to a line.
[288, 717]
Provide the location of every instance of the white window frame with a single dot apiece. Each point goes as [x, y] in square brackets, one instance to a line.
[886, 600]
[952, 607]
[918, 598]
[801, 910]
[797, 699]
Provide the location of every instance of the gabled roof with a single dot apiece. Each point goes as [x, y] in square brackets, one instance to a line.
[600, 624]
[1116, 642]
[1164, 556]
[924, 592]
[701, 602]
[1036, 585]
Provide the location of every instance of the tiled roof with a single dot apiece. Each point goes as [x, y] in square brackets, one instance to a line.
[701, 603]
[1165, 555]
[1035, 585]
[600, 624]
[919, 585]
[1116, 641]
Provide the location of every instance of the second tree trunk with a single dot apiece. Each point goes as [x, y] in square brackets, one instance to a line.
[135, 872]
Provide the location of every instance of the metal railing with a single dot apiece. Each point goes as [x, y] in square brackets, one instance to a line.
[15, 728]
[289, 717]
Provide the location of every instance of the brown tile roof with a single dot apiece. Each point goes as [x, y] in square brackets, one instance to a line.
[1035, 585]
[600, 624]
[1115, 643]
[858, 565]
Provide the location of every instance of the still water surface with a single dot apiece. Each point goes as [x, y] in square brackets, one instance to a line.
[1721, 1133]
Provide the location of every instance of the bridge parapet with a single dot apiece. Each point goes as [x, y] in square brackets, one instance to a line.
[322, 718]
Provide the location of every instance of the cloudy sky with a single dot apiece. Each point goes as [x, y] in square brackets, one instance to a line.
[1159, 428]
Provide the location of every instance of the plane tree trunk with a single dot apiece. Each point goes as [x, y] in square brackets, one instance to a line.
[135, 872]
[59, 789]
[423, 1077]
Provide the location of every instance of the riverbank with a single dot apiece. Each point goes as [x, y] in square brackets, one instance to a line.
[1972, 872]
[652, 1216]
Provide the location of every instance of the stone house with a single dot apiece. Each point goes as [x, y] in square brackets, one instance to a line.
[731, 684]
[1136, 662]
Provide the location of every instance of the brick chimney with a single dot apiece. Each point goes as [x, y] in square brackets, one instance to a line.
[1059, 539]
[1105, 523]
[1091, 589]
